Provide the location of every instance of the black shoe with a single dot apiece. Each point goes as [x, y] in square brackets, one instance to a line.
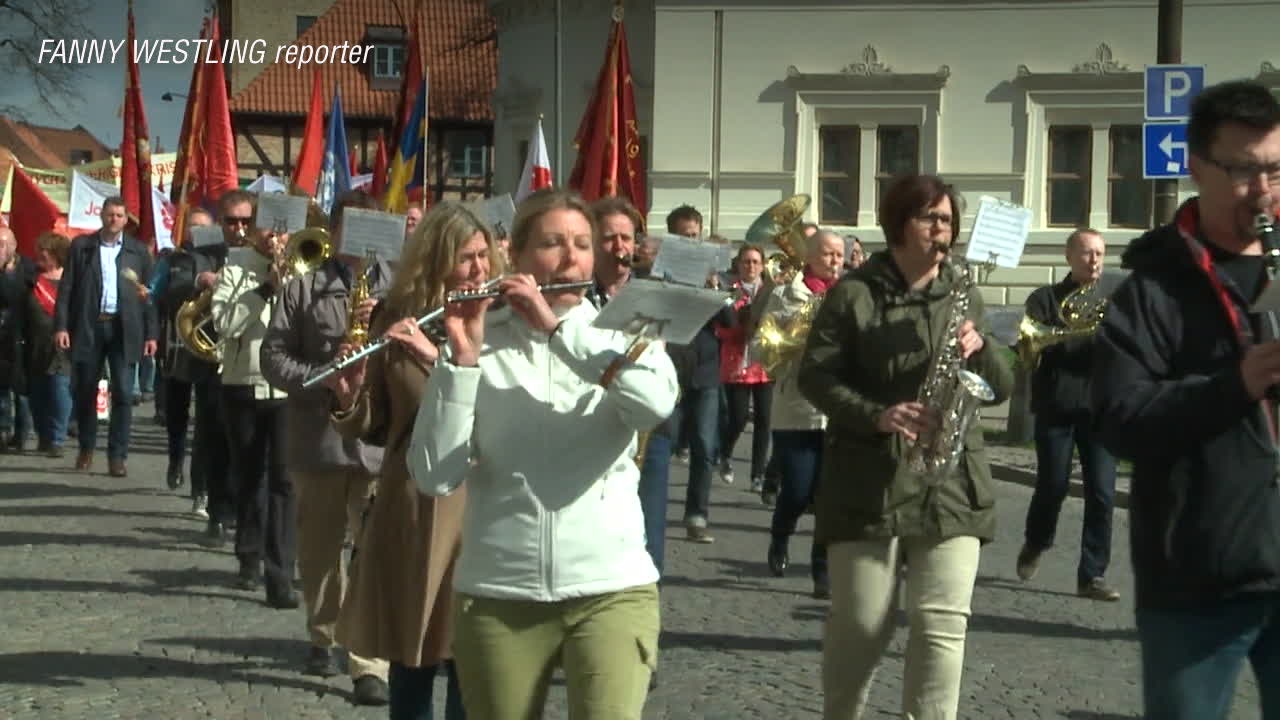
[320, 662]
[248, 578]
[174, 475]
[285, 598]
[821, 588]
[778, 560]
[653, 680]
[1098, 589]
[1028, 563]
[371, 690]
[215, 535]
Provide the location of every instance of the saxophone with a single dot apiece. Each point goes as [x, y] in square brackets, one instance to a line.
[954, 393]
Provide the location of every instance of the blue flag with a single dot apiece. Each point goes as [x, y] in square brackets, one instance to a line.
[335, 171]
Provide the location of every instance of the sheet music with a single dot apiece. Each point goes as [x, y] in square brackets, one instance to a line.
[206, 235]
[999, 233]
[372, 230]
[498, 212]
[686, 261]
[279, 209]
[673, 313]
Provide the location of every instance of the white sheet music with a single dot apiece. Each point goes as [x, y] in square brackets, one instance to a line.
[685, 260]
[999, 233]
[206, 235]
[372, 230]
[670, 312]
[279, 209]
[498, 212]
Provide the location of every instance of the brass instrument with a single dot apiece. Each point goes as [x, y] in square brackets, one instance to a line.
[357, 331]
[780, 226]
[306, 250]
[1082, 311]
[778, 344]
[194, 327]
[952, 392]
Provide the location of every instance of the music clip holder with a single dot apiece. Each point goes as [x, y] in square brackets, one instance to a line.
[986, 267]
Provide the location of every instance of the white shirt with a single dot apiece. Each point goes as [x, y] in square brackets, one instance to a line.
[107, 255]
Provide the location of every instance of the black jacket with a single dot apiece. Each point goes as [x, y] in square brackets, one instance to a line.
[1060, 381]
[15, 289]
[80, 297]
[183, 267]
[1204, 507]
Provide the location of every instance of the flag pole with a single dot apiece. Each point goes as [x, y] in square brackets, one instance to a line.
[559, 98]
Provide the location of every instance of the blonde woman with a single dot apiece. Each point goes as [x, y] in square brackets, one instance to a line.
[538, 412]
[400, 600]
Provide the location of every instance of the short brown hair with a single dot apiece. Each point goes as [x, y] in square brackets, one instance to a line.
[910, 195]
[56, 244]
[616, 205]
[235, 197]
[1075, 236]
[540, 203]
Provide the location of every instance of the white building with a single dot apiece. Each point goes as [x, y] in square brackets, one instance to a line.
[743, 103]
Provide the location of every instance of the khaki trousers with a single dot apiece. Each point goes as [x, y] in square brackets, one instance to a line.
[506, 650]
[939, 586]
[330, 509]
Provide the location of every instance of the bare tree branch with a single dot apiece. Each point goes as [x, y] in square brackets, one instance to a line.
[25, 24]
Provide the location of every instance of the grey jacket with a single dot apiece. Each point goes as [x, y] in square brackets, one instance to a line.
[307, 326]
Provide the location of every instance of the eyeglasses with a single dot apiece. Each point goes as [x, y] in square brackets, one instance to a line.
[246, 221]
[931, 218]
[1245, 173]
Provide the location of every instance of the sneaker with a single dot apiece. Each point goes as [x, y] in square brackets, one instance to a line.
[1028, 563]
[1098, 589]
[700, 535]
[682, 456]
[726, 473]
[769, 497]
[174, 476]
[200, 506]
[757, 483]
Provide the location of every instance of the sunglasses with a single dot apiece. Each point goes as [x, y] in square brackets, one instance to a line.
[237, 221]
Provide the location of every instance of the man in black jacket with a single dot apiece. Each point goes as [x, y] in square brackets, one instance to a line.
[17, 276]
[102, 316]
[1184, 384]
[1060, 401]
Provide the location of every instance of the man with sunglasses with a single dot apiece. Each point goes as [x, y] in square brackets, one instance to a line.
[1184, 385]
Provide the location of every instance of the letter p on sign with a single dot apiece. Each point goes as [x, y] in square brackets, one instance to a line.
[1169, 89]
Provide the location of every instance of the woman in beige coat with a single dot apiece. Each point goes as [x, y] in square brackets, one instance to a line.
[400, 600]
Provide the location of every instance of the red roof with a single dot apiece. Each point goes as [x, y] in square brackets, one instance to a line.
[460, 47]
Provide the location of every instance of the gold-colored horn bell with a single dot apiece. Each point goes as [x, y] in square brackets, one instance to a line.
[1082, 311]
[194, 328]
[780, 225]
[307, 250]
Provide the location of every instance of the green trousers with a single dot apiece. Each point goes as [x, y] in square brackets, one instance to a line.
[506, 651]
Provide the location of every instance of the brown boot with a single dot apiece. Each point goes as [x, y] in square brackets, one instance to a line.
[116, 468]
[84, 460]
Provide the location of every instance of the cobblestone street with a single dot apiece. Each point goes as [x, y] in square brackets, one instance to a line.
[110, 608]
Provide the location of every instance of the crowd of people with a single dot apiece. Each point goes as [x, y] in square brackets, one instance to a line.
[502, 472]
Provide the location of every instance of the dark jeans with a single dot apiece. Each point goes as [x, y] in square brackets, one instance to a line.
[698, 409]
[1190, 658]
[50, 408]
[654, 476]
[177, 416]
[411, 689]
[1054, 444]
[107, 341]
[799, 454]
[266, 526]
[756, 400]
[210, 461]
[144, 376]
[15, 413]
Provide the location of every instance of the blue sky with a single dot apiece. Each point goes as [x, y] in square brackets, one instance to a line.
[102, 85]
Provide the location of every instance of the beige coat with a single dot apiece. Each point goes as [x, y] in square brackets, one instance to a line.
[399, 602]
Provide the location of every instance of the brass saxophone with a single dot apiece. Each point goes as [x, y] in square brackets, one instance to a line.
[953, 393]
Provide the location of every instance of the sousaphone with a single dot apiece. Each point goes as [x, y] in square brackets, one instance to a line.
[780, 226]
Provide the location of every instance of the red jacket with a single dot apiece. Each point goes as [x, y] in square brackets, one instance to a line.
[733, 347]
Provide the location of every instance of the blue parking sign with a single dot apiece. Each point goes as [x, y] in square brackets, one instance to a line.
[1164, 150]
[1169, 89]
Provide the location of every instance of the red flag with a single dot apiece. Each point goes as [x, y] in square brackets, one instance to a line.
[351, 163]
[206, 164]
[32, 213]
[608, 139]
[537, 166]
[306, 172]
[379, 168]
[135, 151]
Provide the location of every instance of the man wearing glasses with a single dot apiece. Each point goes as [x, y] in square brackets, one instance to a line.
[1184, 385]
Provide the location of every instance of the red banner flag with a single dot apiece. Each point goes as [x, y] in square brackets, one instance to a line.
[32, 213]
[379, 168]
[306, 172]
[135, 151]
[608, 139]
[411, 80]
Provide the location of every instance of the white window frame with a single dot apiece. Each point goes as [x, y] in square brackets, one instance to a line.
[384, 55]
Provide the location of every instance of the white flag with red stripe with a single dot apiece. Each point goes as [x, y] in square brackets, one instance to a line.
[537, 166]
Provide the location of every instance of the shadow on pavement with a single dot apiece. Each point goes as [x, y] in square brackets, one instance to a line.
[50, 585]
[1023, 626]
[704, 641]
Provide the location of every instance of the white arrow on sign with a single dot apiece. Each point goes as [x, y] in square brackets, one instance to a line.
[1167, 146]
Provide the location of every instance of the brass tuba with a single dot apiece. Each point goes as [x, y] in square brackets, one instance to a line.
[194, 328]
[1082, 311]
[780, 225]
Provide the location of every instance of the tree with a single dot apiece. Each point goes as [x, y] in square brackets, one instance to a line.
[26, 23]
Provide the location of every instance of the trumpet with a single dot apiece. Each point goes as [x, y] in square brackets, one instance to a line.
[485, 291]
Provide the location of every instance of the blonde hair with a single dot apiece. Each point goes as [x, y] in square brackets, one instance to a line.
[540, 203]
[430, 255]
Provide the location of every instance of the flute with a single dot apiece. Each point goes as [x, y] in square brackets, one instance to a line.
[487, 290]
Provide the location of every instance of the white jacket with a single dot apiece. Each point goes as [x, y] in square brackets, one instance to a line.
[553, 510]
[791, 411]
[241, 315]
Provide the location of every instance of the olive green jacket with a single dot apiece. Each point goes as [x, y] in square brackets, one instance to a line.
[870, 348]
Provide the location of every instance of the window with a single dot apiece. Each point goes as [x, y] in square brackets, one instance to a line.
[388, 60]
[1069, 152]
[304, 23]
[838, 175]
[897, 153]
[1130, 198]
[468, 154]
[79, 157]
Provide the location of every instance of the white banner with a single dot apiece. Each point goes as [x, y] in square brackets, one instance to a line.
[164, 213]
[84, 210]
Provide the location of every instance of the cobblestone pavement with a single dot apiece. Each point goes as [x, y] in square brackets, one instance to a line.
[109, 608]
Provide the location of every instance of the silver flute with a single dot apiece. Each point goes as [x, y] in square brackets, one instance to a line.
[487, 290]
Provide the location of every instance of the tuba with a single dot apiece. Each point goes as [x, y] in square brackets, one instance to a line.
[1082, 311]
[780, 226]
[194, 327]
[953, 392]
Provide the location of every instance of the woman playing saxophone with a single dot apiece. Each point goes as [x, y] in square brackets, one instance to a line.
[874, 341]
